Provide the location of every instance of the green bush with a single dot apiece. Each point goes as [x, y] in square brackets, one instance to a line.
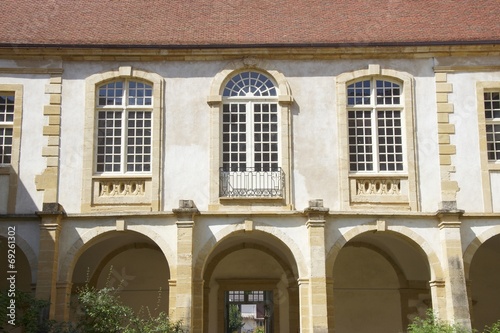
[101, 312]
[493, 329]
[104, 313]
[431, 324]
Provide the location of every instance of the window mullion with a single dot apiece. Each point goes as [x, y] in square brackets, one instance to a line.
[124, 135]
[250, 136]
[375, 147]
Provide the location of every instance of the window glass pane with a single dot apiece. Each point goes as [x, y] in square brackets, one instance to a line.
[388, 93]
[6, 127]
[139, 138]
[359, 139]
[108, 141]
[358, 93]
[110, 94]
[249, 84]
[139, 93]
[390, 140]
[6, 108]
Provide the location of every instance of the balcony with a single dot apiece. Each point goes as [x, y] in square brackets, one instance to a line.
[252, 183]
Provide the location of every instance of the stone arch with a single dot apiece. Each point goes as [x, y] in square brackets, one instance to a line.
[27, 250]
[87, 239]
[474, 246]
[412, 237]
[268, 244]
[200, 264]
[218, 83]
[399, 272]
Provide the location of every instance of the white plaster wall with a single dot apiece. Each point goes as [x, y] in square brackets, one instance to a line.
[186, 150]
[32, 163]
[467, 159]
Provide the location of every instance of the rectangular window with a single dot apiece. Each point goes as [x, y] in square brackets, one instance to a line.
[492, 118]
[6, 127]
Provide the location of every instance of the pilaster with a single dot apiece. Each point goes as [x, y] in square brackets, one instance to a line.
[447, 150]
[318, 302]
[50, 226]
[63, 298]
[48, 181]
[184, 286]
[457, 303]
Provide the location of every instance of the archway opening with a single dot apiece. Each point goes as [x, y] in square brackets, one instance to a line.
[485, 284]
[381, 282]
[130, 263]
[255, 276]
[15, 265]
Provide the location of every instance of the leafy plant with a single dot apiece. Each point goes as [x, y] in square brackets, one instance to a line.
[235, 318]
[493, 329]
[104, 313]
[29, 313]
[431, 324]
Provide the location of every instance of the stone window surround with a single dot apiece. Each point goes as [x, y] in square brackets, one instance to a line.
[12, 169]
[406, 181]
[215, 100]
[123, 192]
[487, 167]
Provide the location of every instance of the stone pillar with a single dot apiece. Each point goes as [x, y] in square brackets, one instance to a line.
[198, 296]
[318, 304]
[438, 296]
[304, 305]
[184, 287]
[63, 298]
[457, 303]
[50, 226]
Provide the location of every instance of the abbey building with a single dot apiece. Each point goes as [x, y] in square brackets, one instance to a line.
[323, 168]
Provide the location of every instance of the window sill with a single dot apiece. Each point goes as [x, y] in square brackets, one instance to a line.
[379, 189]
[121, 190]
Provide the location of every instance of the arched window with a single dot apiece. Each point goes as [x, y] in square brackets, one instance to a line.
[250, 121]
[251, 141]
[122, 141]
[124, 127]
[375, 108]
[375, 126]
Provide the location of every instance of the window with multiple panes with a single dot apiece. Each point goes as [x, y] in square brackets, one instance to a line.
[492, 117]
[375, 126]
[124, 127]
[6, 126]
[250, 124]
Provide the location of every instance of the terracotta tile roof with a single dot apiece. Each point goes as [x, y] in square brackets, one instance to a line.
[184, 23]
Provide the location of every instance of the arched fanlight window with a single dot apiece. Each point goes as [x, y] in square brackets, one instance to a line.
[248, 84]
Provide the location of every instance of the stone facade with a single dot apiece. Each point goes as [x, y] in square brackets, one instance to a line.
[336, 250]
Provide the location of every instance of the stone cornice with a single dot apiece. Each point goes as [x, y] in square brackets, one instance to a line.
[214, 53]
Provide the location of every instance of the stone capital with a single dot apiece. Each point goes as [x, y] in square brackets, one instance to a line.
[185, 213]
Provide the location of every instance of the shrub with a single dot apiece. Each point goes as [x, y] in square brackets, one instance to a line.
[431, 324]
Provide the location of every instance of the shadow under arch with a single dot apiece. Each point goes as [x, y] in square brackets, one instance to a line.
[97, 234]
[474, 245]
[412, 238]
[27, 250]
[482, 273]
[267, 241]
[292, 252]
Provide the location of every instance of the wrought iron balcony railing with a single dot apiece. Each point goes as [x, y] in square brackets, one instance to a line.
[250, 183]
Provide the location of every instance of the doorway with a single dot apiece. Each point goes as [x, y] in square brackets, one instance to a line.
[249, 311]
